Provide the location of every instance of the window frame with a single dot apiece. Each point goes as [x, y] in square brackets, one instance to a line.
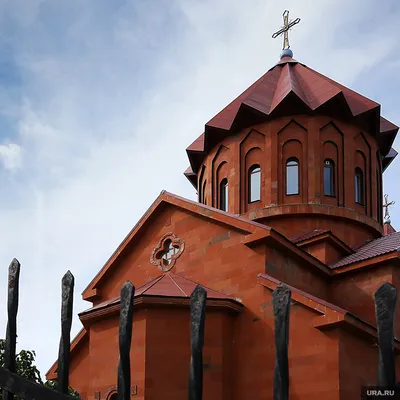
[297, 165]
[332, 183]
[251, 172]
[359, 186]
[223, 195]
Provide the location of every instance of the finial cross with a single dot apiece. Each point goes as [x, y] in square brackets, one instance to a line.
[285, 29]
[387, 205]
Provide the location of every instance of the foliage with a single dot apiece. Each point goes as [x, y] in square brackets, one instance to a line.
[25, 367]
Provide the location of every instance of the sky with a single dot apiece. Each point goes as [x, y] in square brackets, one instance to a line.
[99, 100]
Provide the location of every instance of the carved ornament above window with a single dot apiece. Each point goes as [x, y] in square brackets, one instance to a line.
[167, 251]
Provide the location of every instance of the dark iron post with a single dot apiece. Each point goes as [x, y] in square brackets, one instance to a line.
[125, 338]
[67, 299]
[12, 310]
[281, 297]
[197, 319]
[385, 307]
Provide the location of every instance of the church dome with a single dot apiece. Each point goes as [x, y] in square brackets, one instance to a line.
[296, 151]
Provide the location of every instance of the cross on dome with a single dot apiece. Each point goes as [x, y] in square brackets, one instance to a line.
[386, 207]
[286, 52]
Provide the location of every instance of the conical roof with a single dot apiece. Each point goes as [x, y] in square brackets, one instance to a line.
[289, 88]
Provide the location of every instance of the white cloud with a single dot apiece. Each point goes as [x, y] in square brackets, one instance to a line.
[11, 156]
[107, 110]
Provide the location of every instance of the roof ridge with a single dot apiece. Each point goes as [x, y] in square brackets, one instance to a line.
[176, 284]
[152, 282]
[295, 86]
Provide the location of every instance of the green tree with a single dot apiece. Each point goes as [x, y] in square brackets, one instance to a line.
[26, 368]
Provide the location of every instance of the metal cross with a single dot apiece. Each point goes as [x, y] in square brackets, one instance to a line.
[285, 29]
[386, 206]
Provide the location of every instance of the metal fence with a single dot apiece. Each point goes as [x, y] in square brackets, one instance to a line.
[14, 385]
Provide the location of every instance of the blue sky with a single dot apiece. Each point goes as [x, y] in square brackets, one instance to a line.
[99, 99]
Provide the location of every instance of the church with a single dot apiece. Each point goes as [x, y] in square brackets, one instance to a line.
[289, 182]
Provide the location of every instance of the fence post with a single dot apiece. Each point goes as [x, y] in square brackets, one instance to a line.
[281, 303]
[197, 316]
[385, 307]
[67, 298]
[125, 338]
[12, 309]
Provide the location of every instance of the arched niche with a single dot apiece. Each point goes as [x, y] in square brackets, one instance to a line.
[253, 158]
[219, 168]
[332, 147]
[292, 150]
[251, 152]
[292, 143]
[330, 154]
[362, 159]
[200, 184]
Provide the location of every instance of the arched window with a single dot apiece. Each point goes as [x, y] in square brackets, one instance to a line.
[329, 178]
[203, 193]
[254, 182]
[359, 186]
[223, 195]
[113, 396]
[292, 176]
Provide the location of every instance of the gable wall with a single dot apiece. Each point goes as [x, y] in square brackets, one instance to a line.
[313, 355]
[210, 256]
[354, 292]
[283, 267]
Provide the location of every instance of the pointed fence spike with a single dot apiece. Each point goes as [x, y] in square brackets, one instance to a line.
[12, 310]
[125, 339]
[281, 304]
[67, 299]
[197, 319]
[385, 307]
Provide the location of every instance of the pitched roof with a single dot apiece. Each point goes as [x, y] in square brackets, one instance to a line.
[291, 82]
[331, 315]
[253, 232]
[308, 235]
[374, 248]
[166, 285]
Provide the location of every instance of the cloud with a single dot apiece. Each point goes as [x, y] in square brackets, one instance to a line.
[109, 95]
[11, 156]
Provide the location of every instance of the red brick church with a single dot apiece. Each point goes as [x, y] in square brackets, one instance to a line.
[289, 181]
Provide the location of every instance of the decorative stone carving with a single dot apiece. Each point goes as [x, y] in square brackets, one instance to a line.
[167, 251]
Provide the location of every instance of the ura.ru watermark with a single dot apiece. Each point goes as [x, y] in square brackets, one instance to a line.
[379, 392]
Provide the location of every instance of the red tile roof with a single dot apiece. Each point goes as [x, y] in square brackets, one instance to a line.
[377, 247]
[167, 285]
[291, 79]
[308, 235]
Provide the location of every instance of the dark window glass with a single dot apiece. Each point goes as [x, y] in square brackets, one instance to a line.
[203, 193]
[254, 183]
[359, 186]
[223, 195]
[329, 178]
[292, 176]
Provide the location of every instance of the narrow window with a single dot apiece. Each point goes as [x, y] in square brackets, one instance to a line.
[223, 195]
[203, 193]
[359, 186]
[329, 178]
[292, 176]
[254, 179]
